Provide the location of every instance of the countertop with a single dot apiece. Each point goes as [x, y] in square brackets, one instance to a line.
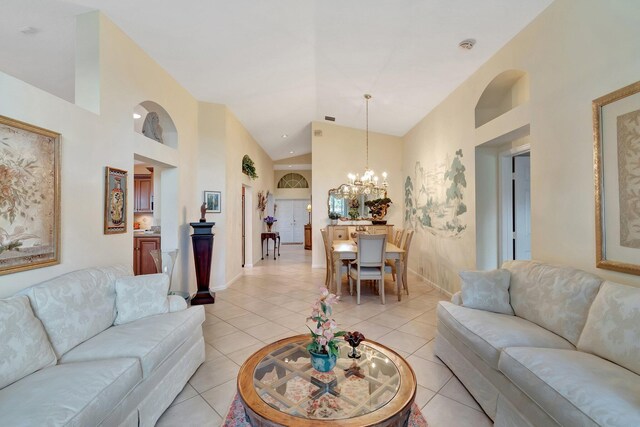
[145, 234]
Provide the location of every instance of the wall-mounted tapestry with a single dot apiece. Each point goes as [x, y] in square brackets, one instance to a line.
[29, 196]
[115, 203]
[434, 197]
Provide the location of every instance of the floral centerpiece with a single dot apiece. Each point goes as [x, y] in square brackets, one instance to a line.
[269, 220]
[324, 344]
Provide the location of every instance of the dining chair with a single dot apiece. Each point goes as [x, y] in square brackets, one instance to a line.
[390, 265]
[369, 264]
[330, 276]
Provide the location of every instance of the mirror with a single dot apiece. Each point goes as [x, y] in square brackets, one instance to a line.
[347, 205]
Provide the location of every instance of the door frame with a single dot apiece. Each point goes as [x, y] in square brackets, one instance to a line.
[505, 201]
[248, 226]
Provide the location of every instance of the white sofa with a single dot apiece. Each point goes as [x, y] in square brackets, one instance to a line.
[569, 357]
[97, 374]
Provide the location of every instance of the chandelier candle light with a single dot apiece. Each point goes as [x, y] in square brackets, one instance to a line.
[367, 183]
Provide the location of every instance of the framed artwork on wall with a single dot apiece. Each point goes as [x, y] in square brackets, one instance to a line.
[29, 196]
[616, 130]
[115, 201]
[213, 199]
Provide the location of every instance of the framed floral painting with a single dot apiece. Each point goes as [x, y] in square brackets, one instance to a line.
[29, 196]
[115, 201]
[616, 130]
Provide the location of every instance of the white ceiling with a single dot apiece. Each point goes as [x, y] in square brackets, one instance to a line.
[281, 64]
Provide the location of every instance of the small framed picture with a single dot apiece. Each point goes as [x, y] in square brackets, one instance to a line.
[115, 201]
[213, 199]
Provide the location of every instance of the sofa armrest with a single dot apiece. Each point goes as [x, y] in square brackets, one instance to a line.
[176, 303]
[457, 298]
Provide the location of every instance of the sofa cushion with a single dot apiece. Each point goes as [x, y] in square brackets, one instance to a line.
[73, 394]
[141, 296]
[486, 290]
[24, 346]
[151, 339]
[612, 330]
[575, 388]
[76, 306]
[486, 333]
[556, 298]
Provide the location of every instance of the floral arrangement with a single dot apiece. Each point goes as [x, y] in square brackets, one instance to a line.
[269, 220]
[324, 334]
[378, 207]
[334, 215]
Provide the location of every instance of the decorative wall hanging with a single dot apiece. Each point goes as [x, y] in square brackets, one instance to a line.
[248, 168]
[29, 196]
[262, 202]
[213, 199]
[115, 202]
[616, 156]
[438, 205]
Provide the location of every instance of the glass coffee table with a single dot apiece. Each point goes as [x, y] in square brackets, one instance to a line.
[278, 386]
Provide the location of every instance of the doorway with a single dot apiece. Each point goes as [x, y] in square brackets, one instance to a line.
[292, 216]
[247, 229]
[515, 201]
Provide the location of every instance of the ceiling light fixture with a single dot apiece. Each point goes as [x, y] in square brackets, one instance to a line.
[467, 44]
[291, 152]
[136, 116]
[284, 135]
[29, 30]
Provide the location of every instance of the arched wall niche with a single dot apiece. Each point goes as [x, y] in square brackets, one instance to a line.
[169, 131]
[506, 91]
[293, 180]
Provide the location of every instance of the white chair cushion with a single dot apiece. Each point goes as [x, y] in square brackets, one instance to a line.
[76, 306]
[556, 298]
[487, 334]
[151, 340]
[24, 346]
[141, 296]
[366, 272]
[486, 290]
[74, 394]
[575, 388]
[612, 330]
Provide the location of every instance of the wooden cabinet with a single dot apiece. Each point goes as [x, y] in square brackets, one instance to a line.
[307, 236]
[142, 260]
[143, 193]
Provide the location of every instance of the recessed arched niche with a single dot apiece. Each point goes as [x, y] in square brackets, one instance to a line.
[154, 115]
[505, 92]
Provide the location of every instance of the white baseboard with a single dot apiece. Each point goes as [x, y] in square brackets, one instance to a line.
[317, 266]
[248, 266]
[435, 285]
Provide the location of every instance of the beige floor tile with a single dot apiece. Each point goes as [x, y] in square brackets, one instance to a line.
[233, 342]
[220, 397]
[212, 332]
[405, 312]
[444, 412]
[370, 330]
[210, 353]
[429, 317]
[231, 312]
[267, 330]
[429, 374]
[240, 356]
[246, 321]
[388, 320]
[190, 413]
[423, 396]
[187, 393]
[402, 341]
[426, 352]
[419, 329]
[213, 373]
[279, 337]
[455, 390]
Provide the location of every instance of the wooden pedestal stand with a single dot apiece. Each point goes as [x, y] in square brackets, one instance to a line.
[202, 240]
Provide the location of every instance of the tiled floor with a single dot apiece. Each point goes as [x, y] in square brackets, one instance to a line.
[272, 300]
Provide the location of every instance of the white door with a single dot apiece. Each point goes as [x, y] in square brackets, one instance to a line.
[522, 207]
[292, 216]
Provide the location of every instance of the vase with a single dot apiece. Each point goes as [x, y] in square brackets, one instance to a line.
[269, 227]
[323, 362]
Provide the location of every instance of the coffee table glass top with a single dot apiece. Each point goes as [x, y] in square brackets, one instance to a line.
[285, 380]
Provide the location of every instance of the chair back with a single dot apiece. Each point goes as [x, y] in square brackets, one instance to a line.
[397, 237]
[407, 243]
[372, 250]
[327, 249]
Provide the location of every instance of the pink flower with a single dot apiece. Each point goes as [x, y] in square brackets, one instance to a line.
[328, 334]
[324, 292]
[321, 340]
[318, 331]
[329, 324]
[331, 299]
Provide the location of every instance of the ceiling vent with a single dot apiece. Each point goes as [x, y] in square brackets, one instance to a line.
[467, 44]
[317, 132]
[330, 119]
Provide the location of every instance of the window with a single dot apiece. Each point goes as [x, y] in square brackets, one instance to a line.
[293, 180]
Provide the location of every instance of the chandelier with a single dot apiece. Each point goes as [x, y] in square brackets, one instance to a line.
[367, 183]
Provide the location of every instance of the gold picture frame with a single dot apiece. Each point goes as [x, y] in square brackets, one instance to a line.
[616, 135]
[29, 196]
[115, 201]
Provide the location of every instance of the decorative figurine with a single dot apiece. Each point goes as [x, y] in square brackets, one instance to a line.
[354, 339]
[151, 127]
[203, 211]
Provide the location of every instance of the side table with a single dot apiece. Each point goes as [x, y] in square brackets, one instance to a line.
[276, 242]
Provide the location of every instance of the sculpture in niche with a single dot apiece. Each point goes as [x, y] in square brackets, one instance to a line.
[151, 127]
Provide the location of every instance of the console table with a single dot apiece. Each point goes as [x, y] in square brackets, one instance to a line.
[276, 242]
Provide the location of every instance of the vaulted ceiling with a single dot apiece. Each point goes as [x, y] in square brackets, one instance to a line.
[281, 64]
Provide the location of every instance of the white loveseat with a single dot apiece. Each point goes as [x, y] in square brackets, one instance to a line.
[570, 356]
[94, 373]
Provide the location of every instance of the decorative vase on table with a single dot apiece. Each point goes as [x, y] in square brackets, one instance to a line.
[269, 220]
[323, 348]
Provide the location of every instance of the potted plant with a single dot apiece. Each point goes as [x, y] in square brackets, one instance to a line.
[248, 168]
[324, 345]
[378, 209]
[334, 217]
[269, 220]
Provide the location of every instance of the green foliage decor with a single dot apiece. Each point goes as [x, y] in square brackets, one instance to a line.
[248, 168]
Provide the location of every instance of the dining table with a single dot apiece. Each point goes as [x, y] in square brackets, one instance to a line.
[342, 250]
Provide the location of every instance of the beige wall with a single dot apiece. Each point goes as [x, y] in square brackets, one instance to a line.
[574, 52]
[341, 150]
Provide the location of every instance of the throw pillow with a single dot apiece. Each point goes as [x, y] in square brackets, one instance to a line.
[141, 296]
[24, 345]
[486, 290]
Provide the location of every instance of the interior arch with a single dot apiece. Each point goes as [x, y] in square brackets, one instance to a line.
[505, 92]
[169, 131]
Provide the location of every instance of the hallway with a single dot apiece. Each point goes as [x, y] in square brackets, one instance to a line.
[272, 300]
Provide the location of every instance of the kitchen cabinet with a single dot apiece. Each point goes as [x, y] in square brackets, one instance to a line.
[142, 260]
[143, 193]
